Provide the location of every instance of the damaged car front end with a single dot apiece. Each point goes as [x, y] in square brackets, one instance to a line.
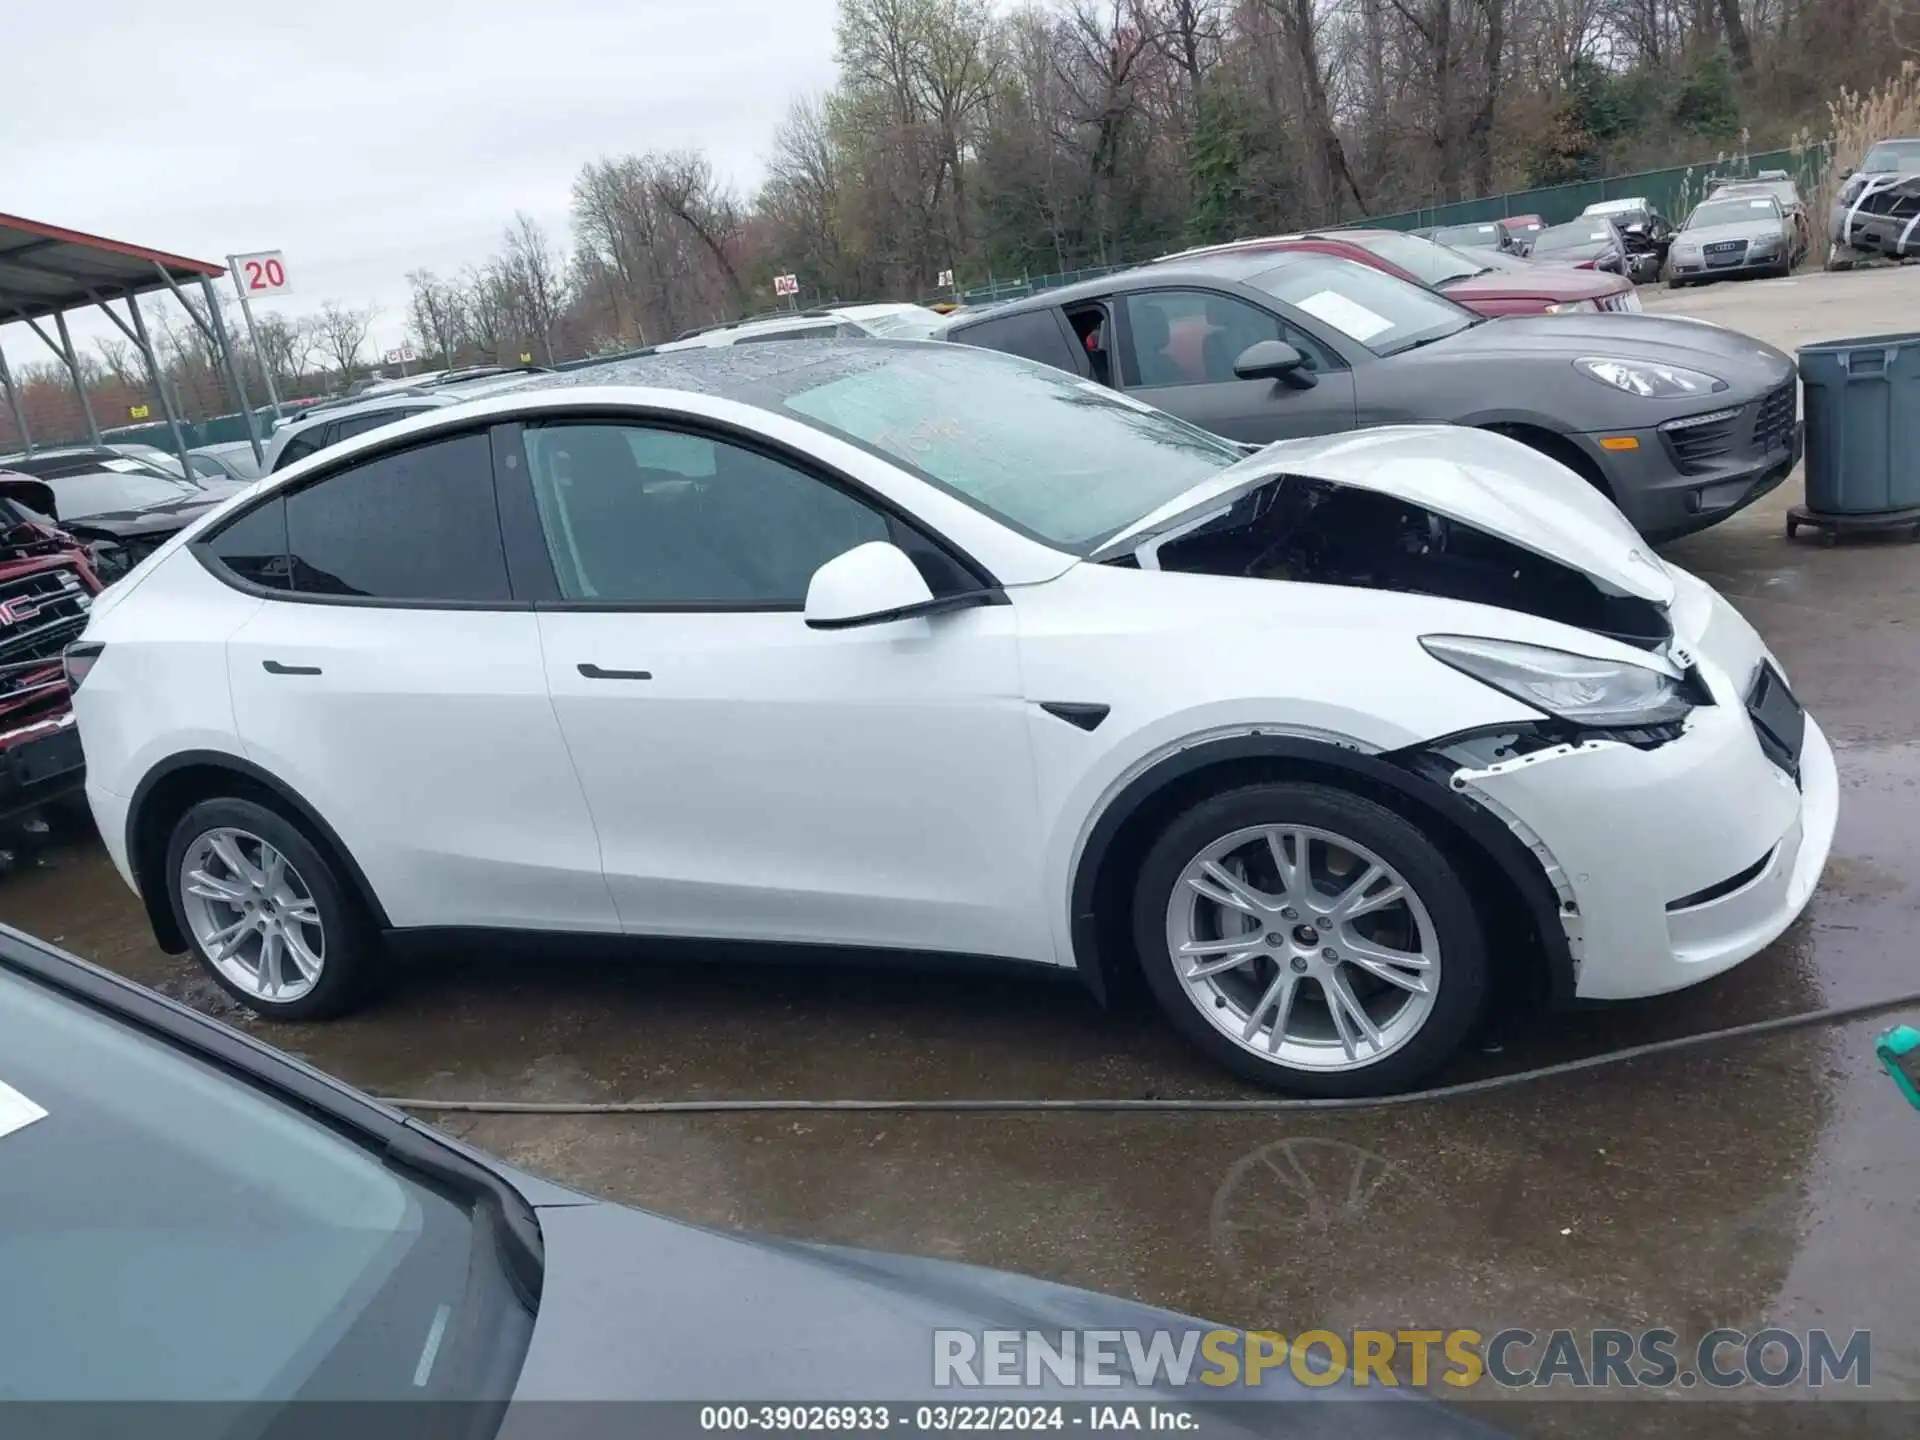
[1673, 802]
[47, 585]
[1878, 216]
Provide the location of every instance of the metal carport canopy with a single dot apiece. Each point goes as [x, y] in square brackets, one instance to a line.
[47, 270]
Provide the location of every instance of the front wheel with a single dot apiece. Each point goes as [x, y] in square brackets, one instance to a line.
[1310, 939]
[266, 912]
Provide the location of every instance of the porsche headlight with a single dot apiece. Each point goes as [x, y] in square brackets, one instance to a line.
[1575, 688]
[1648, 378]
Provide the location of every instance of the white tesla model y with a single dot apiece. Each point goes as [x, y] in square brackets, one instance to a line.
[927, 650]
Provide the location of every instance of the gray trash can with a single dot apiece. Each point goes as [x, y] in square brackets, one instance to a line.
[1863, 434]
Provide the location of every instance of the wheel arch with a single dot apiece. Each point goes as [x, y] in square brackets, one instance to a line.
[1510, 890]
[1555, 445]
[180, 781]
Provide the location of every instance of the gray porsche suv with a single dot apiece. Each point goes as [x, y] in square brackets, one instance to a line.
[1680, 424]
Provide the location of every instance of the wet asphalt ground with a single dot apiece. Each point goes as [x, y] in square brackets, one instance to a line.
[1772, 1182]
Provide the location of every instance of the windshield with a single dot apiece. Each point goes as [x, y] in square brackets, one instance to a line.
[168, 1232]
[1056, 457]
[1427, 262]
[105, 491]
[1380, 311]
[1891, 155]
[1468, 236]
[1580, 235]
[1737, 210]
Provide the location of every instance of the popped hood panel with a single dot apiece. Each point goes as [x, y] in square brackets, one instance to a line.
[1473, 476]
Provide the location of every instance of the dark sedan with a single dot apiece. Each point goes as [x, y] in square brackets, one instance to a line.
[125, 512]
[1679, 424]
[191, 1216]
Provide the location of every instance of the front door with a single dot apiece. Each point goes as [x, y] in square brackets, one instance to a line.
[396, 687]
[751, 778]
[1178, 354]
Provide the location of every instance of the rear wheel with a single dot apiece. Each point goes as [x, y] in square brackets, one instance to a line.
[1310, 940]
[267, 914]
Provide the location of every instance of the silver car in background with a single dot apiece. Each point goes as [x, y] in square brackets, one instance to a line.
[1741, 232]
[1876, 209]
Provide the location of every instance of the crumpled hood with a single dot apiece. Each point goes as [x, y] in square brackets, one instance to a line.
[1473, 476]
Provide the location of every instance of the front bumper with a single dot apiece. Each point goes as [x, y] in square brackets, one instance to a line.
[1668, 487]
[1676, 863]
[1745, 264]
[39, 763]
[1894, 236]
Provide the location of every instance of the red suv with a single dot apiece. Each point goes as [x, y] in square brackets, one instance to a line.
[1485, 281]
[47, 585]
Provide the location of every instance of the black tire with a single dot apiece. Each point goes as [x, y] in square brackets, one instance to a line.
[1464, 968]
[351, 943]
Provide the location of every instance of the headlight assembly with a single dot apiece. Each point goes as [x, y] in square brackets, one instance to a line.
[1647, 378]
[1601, 694]
[1572, 307]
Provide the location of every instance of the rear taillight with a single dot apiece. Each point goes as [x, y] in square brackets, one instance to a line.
[79, 659]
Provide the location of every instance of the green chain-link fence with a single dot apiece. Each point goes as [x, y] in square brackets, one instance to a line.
[1672, 192]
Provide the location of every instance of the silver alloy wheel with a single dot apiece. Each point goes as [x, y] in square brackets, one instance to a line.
[254, 917]
[1303, 947]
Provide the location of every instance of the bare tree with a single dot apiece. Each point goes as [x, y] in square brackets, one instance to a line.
[341, 333]
[436, 315]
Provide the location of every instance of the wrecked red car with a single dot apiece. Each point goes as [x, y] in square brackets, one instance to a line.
[47, 585]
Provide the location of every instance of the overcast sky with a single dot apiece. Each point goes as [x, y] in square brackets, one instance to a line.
[367, 138]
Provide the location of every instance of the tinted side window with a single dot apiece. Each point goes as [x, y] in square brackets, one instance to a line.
[419, 524]
[254, 547]
[360, 424]
[300, 447]
[1035, 335]
[1192, 337]
[647, 517]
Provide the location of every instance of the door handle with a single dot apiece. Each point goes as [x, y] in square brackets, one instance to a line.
[274, 667]
[594, 672]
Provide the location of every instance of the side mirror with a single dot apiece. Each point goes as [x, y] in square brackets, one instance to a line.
[868, 585]
[1274, 360]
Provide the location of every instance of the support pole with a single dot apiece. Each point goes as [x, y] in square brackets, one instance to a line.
[13, 404]
[64, 349]
[138, 335]
[253, 334]
[216, 333]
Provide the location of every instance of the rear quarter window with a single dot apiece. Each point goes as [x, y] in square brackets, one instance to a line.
[1033, 335]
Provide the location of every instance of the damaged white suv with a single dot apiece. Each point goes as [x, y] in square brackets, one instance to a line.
[926, 650]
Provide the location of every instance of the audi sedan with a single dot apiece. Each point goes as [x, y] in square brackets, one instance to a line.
[919, 651]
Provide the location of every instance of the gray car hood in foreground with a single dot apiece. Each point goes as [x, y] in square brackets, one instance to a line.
[637, 1307]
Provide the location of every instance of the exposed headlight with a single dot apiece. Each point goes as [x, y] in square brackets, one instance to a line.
[1575, 688]
[1647, 377]
[1572, 307]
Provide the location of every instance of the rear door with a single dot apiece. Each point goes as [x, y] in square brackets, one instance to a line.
[1177, 351]
[391, 679]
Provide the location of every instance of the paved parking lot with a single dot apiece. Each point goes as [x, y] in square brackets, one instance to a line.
[1770, 1183]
